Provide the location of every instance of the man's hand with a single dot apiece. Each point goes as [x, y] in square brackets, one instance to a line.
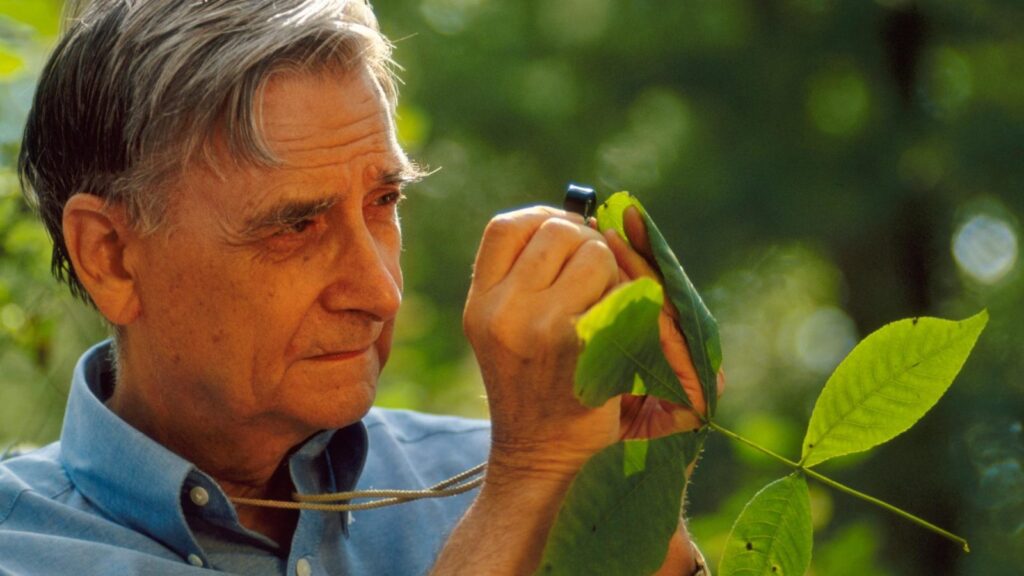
[536, 271]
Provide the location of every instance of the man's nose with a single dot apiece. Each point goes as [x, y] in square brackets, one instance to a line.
[366, 276]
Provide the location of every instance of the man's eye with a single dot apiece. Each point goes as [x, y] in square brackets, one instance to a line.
[297, 227]
[390, 198]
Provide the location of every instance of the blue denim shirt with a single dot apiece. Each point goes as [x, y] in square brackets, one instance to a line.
[107, 499]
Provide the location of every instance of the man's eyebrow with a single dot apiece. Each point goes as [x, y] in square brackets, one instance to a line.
[286, 213]
[408, 173]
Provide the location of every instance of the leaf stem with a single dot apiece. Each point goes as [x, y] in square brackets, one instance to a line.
[899, 512]
[714, 426]
[844, 488]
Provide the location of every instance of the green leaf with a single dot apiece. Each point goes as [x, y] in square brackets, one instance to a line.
[622, 508]
[621, 351]
[773, 535]
[43, 15]
[695, 320]
[887, 383]
[10, 63]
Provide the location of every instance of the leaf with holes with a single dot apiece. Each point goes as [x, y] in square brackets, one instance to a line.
[887, 383]
[773, 535]
[622, 509]
[621, 352]
[695, 320]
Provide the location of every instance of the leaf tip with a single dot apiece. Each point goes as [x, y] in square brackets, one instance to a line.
[980, 318]
[976, 324]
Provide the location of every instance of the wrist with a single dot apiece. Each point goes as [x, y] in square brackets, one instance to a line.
[514, 466]
[553, 463]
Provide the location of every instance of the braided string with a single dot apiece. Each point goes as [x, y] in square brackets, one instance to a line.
[341, 501]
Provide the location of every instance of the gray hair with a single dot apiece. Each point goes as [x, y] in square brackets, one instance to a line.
[136, 90]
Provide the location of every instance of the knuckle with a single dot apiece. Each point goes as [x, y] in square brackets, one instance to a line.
[557, 231]
[501, 225]
[600, 256]
[518, 222]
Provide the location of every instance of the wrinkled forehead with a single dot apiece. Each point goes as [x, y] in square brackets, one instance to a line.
[312, 118]
[331, 134]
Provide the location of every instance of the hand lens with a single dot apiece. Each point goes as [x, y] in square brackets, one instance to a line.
[581, 200]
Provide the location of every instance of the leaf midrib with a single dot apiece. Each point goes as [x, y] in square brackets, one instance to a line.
[886, 384]
[643, 367]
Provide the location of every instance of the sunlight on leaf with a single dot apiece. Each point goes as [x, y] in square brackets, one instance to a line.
[887, 383]
[620, 336]
[773, 535]
[635, 458]
[695, 320]
[10, 63]
[618, 519]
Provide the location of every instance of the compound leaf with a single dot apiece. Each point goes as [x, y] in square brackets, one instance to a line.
[621, 352]
[622, 508]
[773, 536]
[695, 320]
[887, 383]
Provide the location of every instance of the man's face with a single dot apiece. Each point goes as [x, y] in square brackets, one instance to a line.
[272, 295]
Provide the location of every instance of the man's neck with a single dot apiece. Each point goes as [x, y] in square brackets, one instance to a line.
[246, 459]
[274, 523]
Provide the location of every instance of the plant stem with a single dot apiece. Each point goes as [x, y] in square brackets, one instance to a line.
[843, 488]
[752, 444]
[899, 512]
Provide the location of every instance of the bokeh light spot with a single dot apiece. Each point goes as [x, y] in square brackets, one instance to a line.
[449, 16]
[995, 449]
[950, 81]
[574, 21]
[12, 317]
[723, 23]
[839, 101]
[413, 125]
[660, 126]
[985, 248]
[824, 338]
[548, 89]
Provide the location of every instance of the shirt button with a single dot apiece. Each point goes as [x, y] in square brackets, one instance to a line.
[303, 568]
[195, 560]
[199, 496]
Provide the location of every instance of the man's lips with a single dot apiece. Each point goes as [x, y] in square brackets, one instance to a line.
[340, 355]
[353, 344]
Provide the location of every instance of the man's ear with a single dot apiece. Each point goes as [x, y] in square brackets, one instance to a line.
[97, 238]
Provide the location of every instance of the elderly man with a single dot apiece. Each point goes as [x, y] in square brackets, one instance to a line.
[221, 181]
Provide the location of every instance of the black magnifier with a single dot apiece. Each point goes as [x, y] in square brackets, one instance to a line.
[580, 199]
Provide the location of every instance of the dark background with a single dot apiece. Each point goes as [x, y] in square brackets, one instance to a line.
[822, 167]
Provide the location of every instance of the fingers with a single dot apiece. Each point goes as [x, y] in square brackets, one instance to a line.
[673, 344]
[555, 242]
[636, 231]
[587, 276]
[505, 237]
[632, 263]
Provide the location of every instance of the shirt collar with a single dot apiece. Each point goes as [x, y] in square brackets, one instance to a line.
[141, 484]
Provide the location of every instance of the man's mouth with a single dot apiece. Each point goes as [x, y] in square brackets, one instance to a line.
[340, 355]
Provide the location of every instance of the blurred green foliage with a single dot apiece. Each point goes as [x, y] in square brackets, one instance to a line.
[820, 166]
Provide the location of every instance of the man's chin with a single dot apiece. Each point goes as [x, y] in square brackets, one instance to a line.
[336, 409]
[333, 393]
